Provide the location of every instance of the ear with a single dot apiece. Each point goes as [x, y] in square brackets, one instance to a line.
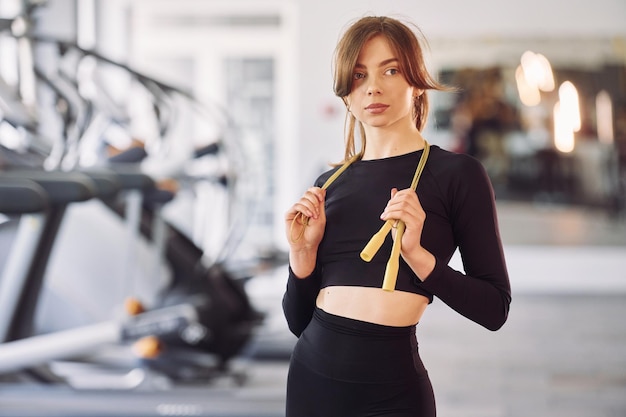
[417, 92]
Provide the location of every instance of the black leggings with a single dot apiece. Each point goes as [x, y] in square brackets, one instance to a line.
[342, 367]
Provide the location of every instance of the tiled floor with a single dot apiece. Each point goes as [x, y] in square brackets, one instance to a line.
[558, 355]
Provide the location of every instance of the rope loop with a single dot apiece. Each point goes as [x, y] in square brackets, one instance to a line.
[305, 219]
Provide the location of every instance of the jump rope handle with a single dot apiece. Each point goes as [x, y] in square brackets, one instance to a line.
[393, 264]
[376, 241]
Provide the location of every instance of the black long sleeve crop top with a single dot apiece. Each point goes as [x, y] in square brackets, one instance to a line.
[458, 199]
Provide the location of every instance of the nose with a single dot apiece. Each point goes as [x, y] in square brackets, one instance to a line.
[373, 87]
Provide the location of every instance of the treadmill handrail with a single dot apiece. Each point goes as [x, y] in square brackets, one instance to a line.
[61, 187]
[21, 196]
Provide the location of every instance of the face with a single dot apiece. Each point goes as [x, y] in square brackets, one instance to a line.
[380, 97]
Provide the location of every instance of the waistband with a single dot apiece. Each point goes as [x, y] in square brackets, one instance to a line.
[352, 350]
[362, 328]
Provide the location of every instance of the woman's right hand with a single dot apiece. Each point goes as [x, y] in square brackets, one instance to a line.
[305, 230]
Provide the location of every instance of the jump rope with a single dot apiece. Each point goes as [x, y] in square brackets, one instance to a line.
[376, 241]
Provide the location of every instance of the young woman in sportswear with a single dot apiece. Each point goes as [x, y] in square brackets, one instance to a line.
[357, 352]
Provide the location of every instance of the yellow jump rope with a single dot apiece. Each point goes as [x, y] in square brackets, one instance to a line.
[372, 247]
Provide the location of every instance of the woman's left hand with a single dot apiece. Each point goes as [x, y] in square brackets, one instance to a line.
[404, 205]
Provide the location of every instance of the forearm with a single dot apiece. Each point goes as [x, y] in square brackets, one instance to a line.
[480, 300]
[299, 300]
[302, 262]
[421, 261]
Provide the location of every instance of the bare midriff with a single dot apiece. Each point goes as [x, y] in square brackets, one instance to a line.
[374, 305]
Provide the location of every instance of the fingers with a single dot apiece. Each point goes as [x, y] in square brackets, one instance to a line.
[310, 204]
[404, 205]
[305, 220]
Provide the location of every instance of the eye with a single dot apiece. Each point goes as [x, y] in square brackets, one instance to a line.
[392, 71]
[358, 75]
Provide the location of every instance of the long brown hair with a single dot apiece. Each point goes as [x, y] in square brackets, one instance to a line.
[408, 49]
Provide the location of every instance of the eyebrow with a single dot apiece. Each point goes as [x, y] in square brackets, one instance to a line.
[382, 64]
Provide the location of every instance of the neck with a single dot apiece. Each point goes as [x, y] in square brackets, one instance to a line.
[384, 145]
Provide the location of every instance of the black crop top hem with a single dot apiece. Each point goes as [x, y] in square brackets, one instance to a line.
[372, 274]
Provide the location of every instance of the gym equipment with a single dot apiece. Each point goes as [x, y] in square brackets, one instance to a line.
[208, 321]
[156, 377]
[199, 324]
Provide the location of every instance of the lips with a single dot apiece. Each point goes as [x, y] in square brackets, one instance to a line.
[376, 108]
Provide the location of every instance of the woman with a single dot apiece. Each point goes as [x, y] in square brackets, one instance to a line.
[357, 351]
